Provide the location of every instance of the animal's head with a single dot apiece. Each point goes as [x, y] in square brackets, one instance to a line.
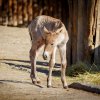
[51, 41]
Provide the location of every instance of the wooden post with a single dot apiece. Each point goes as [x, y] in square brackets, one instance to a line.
[35, 8]
[45, 8]
[59, 9]
[89, 35]
[69, 55]
[30, 13]
[50, 7]
[75, 31]
[54, 8]
[10, 18]
[0, 11]
[97, 40]
[91, 25]
[15, 13]
[4, 12]
[81, 30]
[20, 18]
[25, 13]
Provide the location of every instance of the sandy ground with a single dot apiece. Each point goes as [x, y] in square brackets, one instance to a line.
[15, 82]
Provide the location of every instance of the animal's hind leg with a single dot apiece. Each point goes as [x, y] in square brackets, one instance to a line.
[33, 75]
[51, 65]
[62, 50]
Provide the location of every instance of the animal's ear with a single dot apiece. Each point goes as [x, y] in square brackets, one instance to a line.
[59, 30]
[58, 24]
[45, 30]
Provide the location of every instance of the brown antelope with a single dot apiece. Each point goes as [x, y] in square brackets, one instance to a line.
[51, 32]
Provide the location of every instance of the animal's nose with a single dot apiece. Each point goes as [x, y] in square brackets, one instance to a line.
[45, 56]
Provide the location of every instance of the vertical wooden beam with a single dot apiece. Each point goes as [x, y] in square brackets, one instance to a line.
[59, 9]
[91, 19]
[35, 8]
[45, 8]
[88, 38]
[10, 18]
[20, 18]
[69, 53]
[50, 8]
[4, 12]
[15, 13]
[30, 13]
[25, 13]
[54, 8]
[81, 30]
[0, 11]
[75, 31]
[97, 40]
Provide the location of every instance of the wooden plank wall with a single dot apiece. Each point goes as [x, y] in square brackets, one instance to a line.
[84, 31]
[21, 12]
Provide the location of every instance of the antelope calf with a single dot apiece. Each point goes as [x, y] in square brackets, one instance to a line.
[51, 32]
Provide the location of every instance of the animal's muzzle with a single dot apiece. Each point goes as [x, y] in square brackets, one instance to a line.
[45, 55]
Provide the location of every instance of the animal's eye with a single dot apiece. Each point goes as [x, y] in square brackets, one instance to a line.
[51, 43]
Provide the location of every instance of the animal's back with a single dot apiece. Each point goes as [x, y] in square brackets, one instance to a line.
[36, 26]
[41, 21]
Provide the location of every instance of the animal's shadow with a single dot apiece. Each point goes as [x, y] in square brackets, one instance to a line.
[41, 69]
[22, 82]
[85, 87]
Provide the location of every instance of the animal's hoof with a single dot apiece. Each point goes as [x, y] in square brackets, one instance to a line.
[35, 81]
[38, 81]
[65, 87]
[49, 86]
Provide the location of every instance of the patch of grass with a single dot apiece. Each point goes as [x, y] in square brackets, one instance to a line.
[76, 69]
[93, 78]
[81, 72]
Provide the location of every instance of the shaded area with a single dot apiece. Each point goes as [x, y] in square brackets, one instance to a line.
[38, 62]
[85, 87]
[39, 69]
[1, 82]
[14, 81]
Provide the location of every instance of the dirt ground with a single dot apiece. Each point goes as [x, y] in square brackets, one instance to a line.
[15, 82]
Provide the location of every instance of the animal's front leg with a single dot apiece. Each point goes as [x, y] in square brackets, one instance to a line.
[51, 65]
[33, 75]
[62, 50]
